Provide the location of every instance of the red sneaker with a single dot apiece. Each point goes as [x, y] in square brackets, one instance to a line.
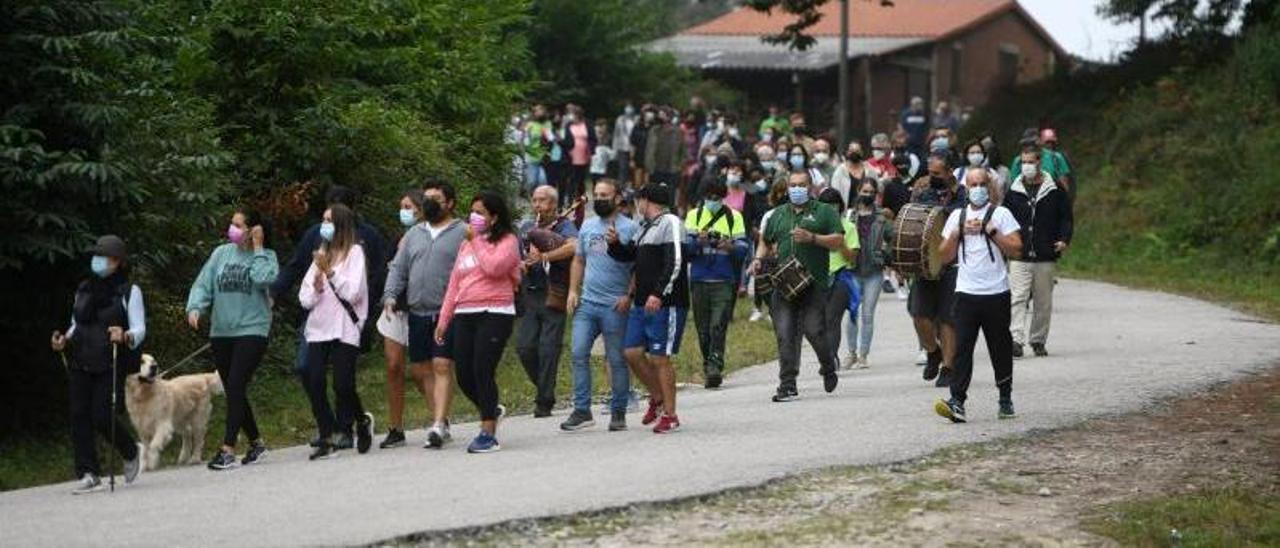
[667, 424]
[652, 414]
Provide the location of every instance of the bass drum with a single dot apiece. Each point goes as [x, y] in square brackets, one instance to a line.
[917, 237]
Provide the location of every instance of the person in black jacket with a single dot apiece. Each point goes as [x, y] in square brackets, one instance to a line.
[659, 303]
[1044, 211]
[291, 272]
[104, 342]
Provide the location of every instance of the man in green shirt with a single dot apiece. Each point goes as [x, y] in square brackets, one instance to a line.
[810, 230]
[777, 124]
[535, 148]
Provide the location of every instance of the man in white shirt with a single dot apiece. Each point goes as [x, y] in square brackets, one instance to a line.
[981, 234]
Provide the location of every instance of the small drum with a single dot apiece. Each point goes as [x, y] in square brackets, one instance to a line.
[791, 278]
[917, 238]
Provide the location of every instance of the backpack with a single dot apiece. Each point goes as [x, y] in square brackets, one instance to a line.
[964, 213]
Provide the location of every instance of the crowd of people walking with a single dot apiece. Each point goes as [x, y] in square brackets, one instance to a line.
[633, 222]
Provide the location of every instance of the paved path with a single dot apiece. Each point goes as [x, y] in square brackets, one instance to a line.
[1114, 350]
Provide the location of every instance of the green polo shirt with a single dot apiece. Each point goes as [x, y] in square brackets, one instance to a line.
[816, 217]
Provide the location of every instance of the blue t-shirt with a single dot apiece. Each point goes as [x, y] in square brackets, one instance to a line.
[536, 278]
[604, 279]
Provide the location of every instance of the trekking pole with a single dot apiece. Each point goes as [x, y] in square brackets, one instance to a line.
[65, 367]
[115, 350]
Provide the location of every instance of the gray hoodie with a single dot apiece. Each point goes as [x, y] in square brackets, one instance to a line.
[423, 264]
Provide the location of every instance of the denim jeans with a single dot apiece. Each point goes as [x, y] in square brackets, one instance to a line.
[590, 321]
[534, 175]
[801, 317]
[858, 332]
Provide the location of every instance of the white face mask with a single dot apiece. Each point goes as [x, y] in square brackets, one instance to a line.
[821, 157]
[976, 159]
[1030, 170]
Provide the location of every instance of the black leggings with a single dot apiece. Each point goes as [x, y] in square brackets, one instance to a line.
[90, 395]
[989, 313]
[478, 342]
[342, 357]
[236, 359]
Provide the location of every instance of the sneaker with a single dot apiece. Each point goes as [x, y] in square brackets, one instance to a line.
[830, 381]
[364, 432]
[134, 467]
[863, 363]
[437, 435]
[224, 460]
[922, 358]
[944, 378]
[256, 451]
[756, 314]
[849, 362]
[713, 382]
[932, 363]
[577, 420]
[950, 409]
[1017, 350]
[1039, 349]
[395, 438]
[652, 414]
[902, 295]
[618, 422]
[325, 451]
[315, 442]
[786, 395]
[1006, 410]
[541, 411]
[341, 441]
[887, 287]
[484, 443]
[88, 483]
[667, 424]
[633, 402]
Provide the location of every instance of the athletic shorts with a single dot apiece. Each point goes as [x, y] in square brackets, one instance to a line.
[934, 299]
[658, 333]
[422, 340]
[394, 326]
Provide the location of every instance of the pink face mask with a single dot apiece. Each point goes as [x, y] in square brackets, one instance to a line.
[235, 234]
[479, 224]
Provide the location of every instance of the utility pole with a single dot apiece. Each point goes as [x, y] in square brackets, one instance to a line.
[842, 109]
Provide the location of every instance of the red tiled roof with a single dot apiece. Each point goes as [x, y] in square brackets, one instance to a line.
[908, 18]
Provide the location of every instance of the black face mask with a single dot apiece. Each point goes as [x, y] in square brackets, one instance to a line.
[867, 199]
[603, 208]
[432, 211]
[937, 182]
[854, 157]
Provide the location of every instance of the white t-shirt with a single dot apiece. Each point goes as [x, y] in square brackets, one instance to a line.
[979, 274]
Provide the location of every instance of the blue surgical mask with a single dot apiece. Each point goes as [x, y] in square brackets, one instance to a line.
[761, 185]
[768, 165]
[798, 195]
[797, 161]
[712, 206]
[326, 231]
[100, 266]
[979, 196]
[940, 142]
[407, 218]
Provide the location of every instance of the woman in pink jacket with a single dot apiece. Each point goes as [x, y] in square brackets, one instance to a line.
[481, 300]
[335, 294]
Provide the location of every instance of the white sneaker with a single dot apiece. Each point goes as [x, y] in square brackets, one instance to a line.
[437, 435]
[133, 467]
[88, 483]
[755, 315]
[849, 362]
[901, 293]
[862, 363]
[922, 358]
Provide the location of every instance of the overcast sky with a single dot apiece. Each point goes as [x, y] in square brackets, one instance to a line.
[1075, 25]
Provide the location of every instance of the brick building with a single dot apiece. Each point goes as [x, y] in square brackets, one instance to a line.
[961, 51]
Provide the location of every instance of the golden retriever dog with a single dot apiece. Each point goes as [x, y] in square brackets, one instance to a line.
[160, 408]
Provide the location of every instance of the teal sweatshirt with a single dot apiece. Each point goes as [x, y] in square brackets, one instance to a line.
[235, 282]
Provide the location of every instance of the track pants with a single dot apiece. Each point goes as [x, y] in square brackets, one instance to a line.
[342, 357]
[478, 342]
[990, 314]
[236, 359]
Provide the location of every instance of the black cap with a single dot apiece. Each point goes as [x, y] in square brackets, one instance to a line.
[657, 193]
[109, 245]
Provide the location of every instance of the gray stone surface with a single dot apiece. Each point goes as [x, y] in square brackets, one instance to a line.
[1113, 350]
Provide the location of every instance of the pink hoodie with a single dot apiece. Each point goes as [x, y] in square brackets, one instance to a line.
[327, 320]
[484, 276]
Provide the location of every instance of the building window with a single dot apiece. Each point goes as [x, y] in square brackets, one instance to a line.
[1010, 59]
[957, 69]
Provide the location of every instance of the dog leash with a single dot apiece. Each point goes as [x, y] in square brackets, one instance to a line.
[185, 360]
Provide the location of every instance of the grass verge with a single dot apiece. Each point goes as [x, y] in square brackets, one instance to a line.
[1227, 516]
